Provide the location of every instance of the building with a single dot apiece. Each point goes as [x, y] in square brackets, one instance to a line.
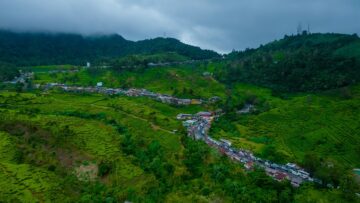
[207, 74]
[183, 101]
[88, 65]
[204, 114]
[281, 176]
[196, 101]
[249, 165]
[184, 116]
[189, 123]
[99, 84]
[227, 143]
[214, 99]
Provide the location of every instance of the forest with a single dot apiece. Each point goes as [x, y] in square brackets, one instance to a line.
[62, 146]
[30, 49]
[300, 63]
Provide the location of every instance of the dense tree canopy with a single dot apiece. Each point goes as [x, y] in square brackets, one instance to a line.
[307, 62]
[48, 49]
[7, 72]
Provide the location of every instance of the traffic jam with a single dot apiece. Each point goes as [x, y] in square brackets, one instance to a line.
[198, 126]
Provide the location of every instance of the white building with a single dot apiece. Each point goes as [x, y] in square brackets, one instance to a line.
[99, 84]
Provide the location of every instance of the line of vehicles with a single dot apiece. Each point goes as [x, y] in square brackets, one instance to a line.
[132, 92]
[198, 126]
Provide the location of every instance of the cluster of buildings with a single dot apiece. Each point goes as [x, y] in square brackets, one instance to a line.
[161, 97]
[246, 109]
[198, 126]
[130, 92]
[24, 76]
[152, 64]
[64, 71]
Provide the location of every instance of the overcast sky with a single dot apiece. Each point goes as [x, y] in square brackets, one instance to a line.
[221, 25]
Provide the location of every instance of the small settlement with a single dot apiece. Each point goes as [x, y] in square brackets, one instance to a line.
[24, 76]
[133, 92]
[198, 126]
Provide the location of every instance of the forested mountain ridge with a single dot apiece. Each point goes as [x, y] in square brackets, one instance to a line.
[306, 62]
[59, 48]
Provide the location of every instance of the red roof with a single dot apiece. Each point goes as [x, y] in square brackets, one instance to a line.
[281, 176]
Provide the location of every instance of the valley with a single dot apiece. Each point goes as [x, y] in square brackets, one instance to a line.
[175, 132]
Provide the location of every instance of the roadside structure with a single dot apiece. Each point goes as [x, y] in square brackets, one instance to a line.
[198, 126]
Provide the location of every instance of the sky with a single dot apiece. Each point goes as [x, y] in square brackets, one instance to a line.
[220, 25]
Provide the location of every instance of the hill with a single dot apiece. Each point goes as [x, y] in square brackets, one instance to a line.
[307, 62]
[89, 147]
[58, 48]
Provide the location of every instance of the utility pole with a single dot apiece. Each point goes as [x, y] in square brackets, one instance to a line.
[299, 28]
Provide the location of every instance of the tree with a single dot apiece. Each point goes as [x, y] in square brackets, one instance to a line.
[104, 168]
[349, 187]
[19, 87]
[128, 144]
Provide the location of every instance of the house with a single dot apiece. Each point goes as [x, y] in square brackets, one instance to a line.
[88, 65]
[246, 109]
[207, 74]
[296, 182]
[151, 64]
[249, 165]
[279, 176]
[183, 101]
[227, 143]
[204, 114]
[184, 116]
[189, 123]
[196, 101]
[133, 92]
[214, 99]
[99, 84]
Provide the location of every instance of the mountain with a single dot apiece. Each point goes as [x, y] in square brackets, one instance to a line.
[58, 48]
[307, 62]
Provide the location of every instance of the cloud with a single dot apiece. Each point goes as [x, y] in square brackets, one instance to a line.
[212, 24]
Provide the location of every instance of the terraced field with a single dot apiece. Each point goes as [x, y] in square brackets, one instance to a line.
[137, 155]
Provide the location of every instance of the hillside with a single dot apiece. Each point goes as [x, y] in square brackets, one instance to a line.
[307, 62]
[24, 49]
[91, 146]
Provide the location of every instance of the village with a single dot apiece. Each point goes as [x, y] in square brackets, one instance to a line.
[198, 126]
[132, 92]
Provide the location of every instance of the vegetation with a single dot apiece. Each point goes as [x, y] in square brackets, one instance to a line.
[66, 147]
[7, 72]
[140, 62]
[307, 62]
[45, 138]
[24, 49]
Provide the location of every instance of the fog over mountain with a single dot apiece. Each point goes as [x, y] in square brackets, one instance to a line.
[211, 24]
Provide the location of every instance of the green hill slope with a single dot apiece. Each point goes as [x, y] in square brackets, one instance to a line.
[49, 49]
[308, 62]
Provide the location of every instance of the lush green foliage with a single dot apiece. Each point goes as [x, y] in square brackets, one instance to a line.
[182, 81]
[138, 157]
[140, 62]
[298, 63]
[47, 49]
[7, 72]
[63, 147]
